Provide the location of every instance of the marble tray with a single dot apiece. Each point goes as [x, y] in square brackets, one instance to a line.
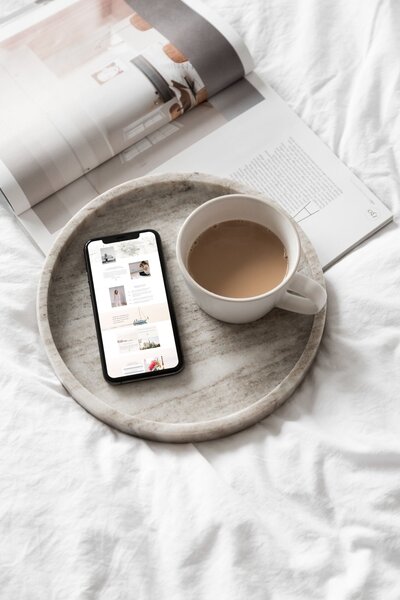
[234, 375]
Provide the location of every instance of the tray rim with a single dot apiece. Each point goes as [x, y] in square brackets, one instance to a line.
[157, 430]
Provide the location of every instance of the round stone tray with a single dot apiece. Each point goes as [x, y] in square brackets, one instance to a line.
[234, 375]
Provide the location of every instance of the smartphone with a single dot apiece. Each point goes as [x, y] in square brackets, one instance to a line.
[135, 322]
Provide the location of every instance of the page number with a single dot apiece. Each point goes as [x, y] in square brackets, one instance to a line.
[373, 213]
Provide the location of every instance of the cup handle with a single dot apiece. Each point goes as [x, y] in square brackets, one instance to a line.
[312, 296]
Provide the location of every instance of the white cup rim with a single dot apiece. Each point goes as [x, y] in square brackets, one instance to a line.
[193, 282]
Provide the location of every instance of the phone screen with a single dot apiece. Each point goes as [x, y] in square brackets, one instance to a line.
[134, 317]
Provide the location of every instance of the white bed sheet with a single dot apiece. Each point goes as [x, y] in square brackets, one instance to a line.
[305, 504]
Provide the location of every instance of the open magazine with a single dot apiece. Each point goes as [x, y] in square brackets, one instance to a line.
[96, 92]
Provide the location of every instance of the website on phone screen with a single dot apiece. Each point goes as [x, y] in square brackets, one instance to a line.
[132, 306]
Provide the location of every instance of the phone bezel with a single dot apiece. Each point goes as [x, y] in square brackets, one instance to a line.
[148, 375]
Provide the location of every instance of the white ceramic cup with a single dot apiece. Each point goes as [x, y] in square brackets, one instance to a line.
[309, 297]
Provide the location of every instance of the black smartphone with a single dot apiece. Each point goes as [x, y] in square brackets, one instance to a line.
[135, 322]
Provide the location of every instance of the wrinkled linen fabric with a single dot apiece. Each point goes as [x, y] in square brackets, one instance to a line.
[306, 504]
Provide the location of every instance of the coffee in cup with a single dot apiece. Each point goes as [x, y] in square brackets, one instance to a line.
[238, 259]
[218, 275]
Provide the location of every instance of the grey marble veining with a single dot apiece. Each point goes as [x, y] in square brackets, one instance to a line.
[234, 374]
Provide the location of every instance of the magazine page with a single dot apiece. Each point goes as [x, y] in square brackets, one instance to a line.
[248, 133]
[85, 79]
[271, 149]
